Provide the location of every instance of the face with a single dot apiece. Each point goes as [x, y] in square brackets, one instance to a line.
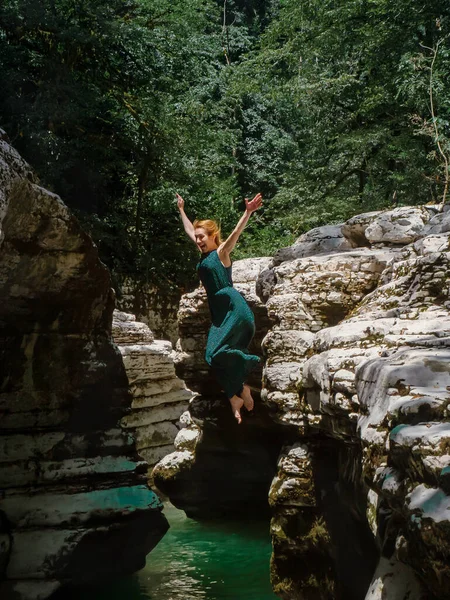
[205, 242]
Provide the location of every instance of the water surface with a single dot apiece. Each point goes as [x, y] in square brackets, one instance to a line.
[200, 560]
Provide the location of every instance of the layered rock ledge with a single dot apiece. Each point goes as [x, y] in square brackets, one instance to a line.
[159, 396]
[74, 502]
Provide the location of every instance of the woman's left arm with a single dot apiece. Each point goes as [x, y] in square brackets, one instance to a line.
[228, 245]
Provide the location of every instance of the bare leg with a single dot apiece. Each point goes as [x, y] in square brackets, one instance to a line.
[246, 396]
[236, 405]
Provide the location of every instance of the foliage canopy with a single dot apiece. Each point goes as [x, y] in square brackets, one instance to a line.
[327, 107]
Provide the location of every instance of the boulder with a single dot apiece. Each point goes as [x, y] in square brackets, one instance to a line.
[321, 240]
[355, 228]
[402, 225]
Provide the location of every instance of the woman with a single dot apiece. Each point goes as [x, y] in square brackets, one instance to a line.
[233, 324]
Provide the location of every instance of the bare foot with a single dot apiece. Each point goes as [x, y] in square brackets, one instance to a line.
[246, 396]
[236, 405]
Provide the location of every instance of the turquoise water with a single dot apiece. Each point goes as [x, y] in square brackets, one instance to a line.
[200, 560]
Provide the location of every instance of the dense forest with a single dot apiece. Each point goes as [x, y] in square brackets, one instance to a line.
[327, 107]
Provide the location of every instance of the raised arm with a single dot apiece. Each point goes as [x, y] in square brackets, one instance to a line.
[229, 244]
[188, 227]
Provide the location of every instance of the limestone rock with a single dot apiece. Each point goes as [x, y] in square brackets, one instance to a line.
[310, 294]
[399, 226]
[395, 581]
[396, 343]
[159, 396]
[127, 331]
[355, 228]
[354, 398]
[220, 468]
[358, 352]
[321, 240]
[155, 307]
[439, 223]
[74, 496]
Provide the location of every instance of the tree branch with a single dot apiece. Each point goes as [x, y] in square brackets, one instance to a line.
[225, 45]
[434, 52]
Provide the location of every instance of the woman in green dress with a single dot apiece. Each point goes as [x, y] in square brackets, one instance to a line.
[233, 323]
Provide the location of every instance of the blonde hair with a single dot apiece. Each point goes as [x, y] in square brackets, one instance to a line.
[211, 228]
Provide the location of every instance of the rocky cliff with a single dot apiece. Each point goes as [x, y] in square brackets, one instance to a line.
[74, 501]
[355, 325]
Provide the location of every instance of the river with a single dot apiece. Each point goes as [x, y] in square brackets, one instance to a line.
[226, 560]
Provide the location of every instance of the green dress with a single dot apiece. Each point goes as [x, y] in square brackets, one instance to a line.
[233, 326]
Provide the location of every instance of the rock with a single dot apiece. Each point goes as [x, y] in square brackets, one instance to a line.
[355, 228]
[430, 244]
[439, 223]
[402, 225]
[187, 439]
[219, 467]
[265, 284]
[373, 370]
[321, 240]
[354, 403]
[396, 344]
[159, 396]
[395, 581]
[127, 331]
[310, 294]
[155, 307]
[31, 590]
[74, 496]
[427, 542]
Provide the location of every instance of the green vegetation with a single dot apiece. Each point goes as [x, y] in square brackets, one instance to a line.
[329, 108]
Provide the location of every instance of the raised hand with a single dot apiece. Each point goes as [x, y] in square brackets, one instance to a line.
[180, 201]
[252, 205]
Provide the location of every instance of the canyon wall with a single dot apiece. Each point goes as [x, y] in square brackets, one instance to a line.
[75, 506]
[353, 411]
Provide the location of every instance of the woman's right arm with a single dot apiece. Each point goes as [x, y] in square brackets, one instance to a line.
[188, 227]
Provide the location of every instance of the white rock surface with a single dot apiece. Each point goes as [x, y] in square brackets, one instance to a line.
[399, 226]
[355, 228]
[359, 349]
[321, 240]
